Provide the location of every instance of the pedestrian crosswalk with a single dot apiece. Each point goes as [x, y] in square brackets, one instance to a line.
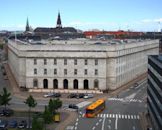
[125, 100]
[119, 116]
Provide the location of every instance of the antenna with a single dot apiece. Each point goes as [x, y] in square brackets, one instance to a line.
[15, 36]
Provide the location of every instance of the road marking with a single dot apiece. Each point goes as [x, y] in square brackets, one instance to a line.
[116, 124]
[93, 128]
[103, 123]
[131, 116]
[138, 117]
[127, 99]
[77, 119]
[97, 124]
[109, 127]
[100, 120]
[119, 116]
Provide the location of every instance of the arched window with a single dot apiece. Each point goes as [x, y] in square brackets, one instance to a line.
[96, 84]
[75, 83]
[55, 84]
[45, 83]
[65, 83]
[35, 83]
[86, 85]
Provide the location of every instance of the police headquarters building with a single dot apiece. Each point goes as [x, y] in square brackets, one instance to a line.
[79, 63]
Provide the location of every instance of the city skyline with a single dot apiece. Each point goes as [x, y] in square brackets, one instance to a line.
[85, 15]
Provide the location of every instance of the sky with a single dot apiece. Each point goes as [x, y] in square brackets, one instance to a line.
[110, 15]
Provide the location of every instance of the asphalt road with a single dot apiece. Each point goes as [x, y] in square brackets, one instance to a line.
[121, 113]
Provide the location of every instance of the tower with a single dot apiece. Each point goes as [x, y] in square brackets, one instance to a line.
[27, 26]
[59, 25]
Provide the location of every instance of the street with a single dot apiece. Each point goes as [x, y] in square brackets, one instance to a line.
[122, 113]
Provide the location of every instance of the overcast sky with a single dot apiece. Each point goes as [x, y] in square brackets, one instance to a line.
[136, 15]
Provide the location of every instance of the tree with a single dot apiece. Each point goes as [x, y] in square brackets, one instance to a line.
[5, 98]
[31, 102]
[37, 124]
[47, 116]
[54, 105]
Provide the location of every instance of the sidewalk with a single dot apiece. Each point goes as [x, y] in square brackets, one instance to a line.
[145, 121]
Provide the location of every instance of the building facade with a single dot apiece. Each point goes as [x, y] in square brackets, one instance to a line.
[79, 64]
[155, 90]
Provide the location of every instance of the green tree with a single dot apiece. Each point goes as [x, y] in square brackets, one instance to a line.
[54, 105]
[37, 124]
[47, 116]
[5, 97]
[31, 102]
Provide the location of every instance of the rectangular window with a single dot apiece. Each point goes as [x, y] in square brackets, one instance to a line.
[35, 71]
[65, 71]
[86, 62]
[75, 61]
[65, 61]
[96, 62]
[55, 71]
[35, 61]
[96, 72]
[45, 71]
[85, 72]
[75, 71]
[55, 61]
[45, 61]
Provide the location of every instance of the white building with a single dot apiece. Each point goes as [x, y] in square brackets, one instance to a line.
[79, 64]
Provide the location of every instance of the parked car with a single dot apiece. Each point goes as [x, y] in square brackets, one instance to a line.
[73, 106]
[81, 95]
[72, 95]
[57, 94]
[22, 124]
[12, 124]
[88, 96]
[6, 112]
[135, 85]
[52, 95]
[3, 123]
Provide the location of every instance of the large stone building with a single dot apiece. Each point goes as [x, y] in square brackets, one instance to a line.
[79, 64]
[155, 90]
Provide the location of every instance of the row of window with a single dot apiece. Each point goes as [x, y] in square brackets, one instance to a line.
[66, 84]
[65, 72]
[65, 62]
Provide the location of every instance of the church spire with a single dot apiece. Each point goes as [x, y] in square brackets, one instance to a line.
[27, 25]
[59, 25]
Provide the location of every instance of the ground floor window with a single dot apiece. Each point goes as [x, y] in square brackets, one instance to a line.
[96, 84]
[75, 83]
[86, 84]
[45, 84]
[35, 83]
[65, 83]
[55, 84]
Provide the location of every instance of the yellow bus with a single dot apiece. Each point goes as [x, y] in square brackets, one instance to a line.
[93, 109]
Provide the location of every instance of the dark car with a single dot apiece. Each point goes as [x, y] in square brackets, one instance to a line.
[22, 124]
[12, 124]
[3, 123]
[6, 112]
[73, 106]
[135, 85]
[57, 95]
[81, 95]
[72, 95]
